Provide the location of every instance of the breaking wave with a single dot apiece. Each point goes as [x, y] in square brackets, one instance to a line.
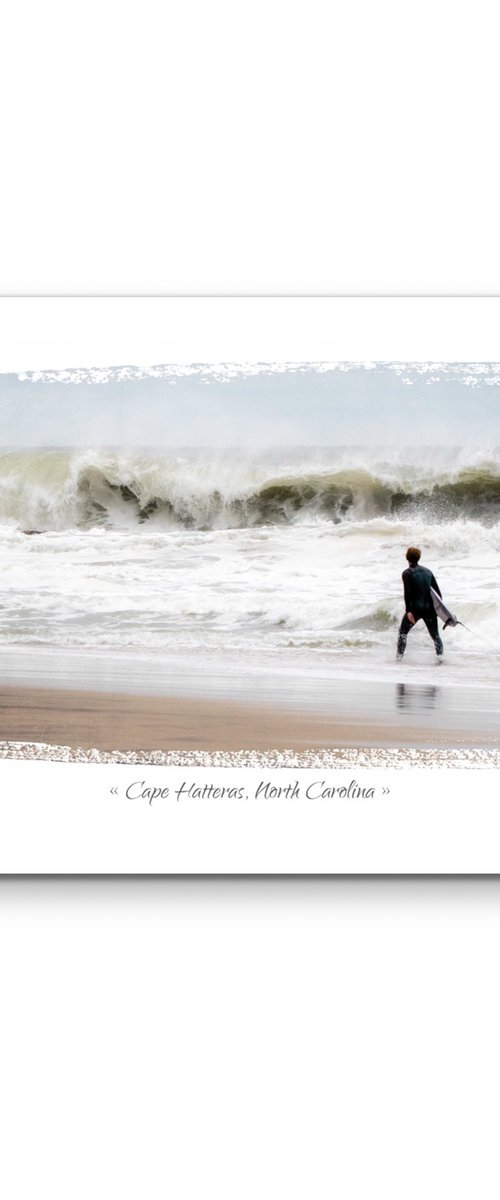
[57, 490]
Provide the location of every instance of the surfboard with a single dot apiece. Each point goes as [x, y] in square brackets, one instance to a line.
[442, 611]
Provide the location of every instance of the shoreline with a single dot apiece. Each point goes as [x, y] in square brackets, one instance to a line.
[112, 722]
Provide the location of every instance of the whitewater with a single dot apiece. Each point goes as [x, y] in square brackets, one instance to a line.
[285, 561]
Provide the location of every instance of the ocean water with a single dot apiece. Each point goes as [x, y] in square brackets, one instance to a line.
[281, 561]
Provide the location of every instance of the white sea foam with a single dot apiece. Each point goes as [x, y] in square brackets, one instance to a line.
[51, 490]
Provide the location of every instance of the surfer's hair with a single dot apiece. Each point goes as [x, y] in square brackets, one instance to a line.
[413, 555]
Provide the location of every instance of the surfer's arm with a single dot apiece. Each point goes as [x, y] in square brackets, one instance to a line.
[408, 597]
[435, 585]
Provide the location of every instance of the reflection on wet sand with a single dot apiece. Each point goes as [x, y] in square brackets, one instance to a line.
[416, 698]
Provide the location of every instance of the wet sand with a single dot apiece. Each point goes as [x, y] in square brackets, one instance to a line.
[110, 721]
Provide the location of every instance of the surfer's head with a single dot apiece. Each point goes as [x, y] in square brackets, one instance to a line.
[413, 555]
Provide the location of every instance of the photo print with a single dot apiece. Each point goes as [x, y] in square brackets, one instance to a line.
[264, 565]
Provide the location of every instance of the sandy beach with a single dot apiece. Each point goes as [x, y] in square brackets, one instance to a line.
[109, 721]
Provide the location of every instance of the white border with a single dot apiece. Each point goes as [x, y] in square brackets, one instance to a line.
[71, 818]
[57, 332]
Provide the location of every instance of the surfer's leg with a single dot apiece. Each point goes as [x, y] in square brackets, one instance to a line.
[430, 619]
[404, 630]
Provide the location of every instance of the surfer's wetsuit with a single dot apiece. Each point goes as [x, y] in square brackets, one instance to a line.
[417, 583]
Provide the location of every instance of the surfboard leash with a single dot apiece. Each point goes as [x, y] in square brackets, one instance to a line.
[473, 632]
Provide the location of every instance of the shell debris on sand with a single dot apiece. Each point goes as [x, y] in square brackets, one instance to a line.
[396, 757]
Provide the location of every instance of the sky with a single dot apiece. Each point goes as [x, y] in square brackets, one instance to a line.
[253, 405]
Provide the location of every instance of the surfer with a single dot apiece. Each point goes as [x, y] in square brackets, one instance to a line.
[418, 582]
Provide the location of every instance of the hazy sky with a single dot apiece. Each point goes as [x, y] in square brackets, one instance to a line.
[384, 404]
